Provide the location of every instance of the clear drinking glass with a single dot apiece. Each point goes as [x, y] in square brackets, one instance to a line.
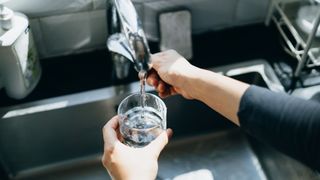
[141, 119]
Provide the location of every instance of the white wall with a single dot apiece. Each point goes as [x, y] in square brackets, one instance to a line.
[71, 26]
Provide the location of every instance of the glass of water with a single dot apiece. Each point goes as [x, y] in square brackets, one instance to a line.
[142, 119]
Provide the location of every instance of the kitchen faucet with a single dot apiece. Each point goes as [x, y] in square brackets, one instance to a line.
[126, 40]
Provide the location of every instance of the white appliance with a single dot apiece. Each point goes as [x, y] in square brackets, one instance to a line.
[19, 63]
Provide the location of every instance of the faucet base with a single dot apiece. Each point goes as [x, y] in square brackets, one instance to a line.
[121, 66]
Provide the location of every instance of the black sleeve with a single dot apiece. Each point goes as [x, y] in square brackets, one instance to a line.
[290, 124]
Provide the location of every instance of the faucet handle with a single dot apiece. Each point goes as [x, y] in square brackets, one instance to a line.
[129, 19]
[132, 30]
[117, 43]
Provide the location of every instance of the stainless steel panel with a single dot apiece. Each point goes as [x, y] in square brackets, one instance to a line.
[56, 138]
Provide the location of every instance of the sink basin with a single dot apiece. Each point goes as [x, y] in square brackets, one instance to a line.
[220, 155]
[316, 97]
[60, 138]
[312, 93]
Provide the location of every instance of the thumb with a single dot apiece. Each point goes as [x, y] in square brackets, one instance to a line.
[160, 142]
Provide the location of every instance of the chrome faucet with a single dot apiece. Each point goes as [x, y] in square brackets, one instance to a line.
[127, 39]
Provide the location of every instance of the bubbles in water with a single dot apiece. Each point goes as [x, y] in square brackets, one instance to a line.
[143, 78]
[138, 132]
[142, 124]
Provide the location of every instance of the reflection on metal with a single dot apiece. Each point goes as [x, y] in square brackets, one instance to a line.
[131, 42]
[261, 69]
[90, 164]
[307, 93]
[258, 167]
[117, 43]
[57, 136]
[224, 155]
[203, 174]
[35, 109]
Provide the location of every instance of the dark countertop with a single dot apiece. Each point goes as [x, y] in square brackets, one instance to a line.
[93, 70]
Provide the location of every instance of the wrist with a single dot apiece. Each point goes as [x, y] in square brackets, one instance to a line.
[191, 81]
[202, 82]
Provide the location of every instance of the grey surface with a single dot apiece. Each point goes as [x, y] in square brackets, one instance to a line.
[226, 154]
[207, 14]
[316, 97]
[66, 142]
[307, 92]
[87, 18]
[175, 32]
[89, 168]
[279, 166]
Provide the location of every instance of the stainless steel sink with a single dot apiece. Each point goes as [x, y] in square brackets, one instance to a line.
[312, 93]
[220, 155]
[60, 138]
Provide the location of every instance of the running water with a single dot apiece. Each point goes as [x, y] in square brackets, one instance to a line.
[143, 123]
[143, 78]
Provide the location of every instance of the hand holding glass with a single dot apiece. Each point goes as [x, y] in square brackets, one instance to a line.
[142, 119]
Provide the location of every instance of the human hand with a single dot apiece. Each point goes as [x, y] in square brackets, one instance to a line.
[170, 74]
[124, 162]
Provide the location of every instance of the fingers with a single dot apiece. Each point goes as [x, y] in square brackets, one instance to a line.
[164, 94]
[110, 135]
[169, 133]
[160, 142]
[153, 78]
[169, 92]
[165, 90]
[162, 87]
[163, 61]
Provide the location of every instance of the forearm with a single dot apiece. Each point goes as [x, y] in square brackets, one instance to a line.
[219, 92]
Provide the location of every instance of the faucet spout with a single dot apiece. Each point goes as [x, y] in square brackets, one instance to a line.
[131, 42]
